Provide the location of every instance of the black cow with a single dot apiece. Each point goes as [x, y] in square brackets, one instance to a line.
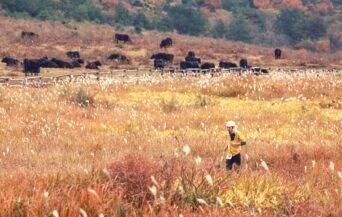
[188, 65]
[165, 43]
[244, 63]
[119, 57]
[75, 64]
[277, 53]
[208, 66]
[258, 70]
[28, 34]
[62, 64]
[80, 61]
[122, 37]
[93, 65]
[227, 65]
[191, 54]
[164, 56]
[193, 59]
[10, 61]
[159, 63]
[31, 66]
[73, 54]
[46, 63]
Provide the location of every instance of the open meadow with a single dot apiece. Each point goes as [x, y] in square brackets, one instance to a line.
[156, 148]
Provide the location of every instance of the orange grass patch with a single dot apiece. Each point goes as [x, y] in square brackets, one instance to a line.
[60, 155]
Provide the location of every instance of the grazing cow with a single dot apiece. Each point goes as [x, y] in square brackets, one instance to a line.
[191, 54]
[159, 63]
[62, 64]
[227, 65]
[10, 61]
[122, 37]
[75, 64]
[73, 54]
[119, 57]
[188, 65]
[25, 35]
[31, 66]
[277, 53]
[164, 56]
[46, 63]
[165, 43]
[258, 70]
[93, 65]
[244, 63]
[208, 66]
[193, 59]
[265, 71]
[80, 61]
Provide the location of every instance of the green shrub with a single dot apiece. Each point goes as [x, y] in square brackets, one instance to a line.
[140, 20]
[202, 101]
[233, 5]
[299, 26]
[163, 23]
[169, 106]
[84, 99]
[122, 15]
[219, 29]
[306, 44]
[238, 30]
[187, 20]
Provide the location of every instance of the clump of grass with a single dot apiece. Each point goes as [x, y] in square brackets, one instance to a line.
[169, 106]
[2, 96]
[231, 93]
[65, 92]
[202, 101]
[330, 104]
[84, 98]
[133, 173]
[119, 44]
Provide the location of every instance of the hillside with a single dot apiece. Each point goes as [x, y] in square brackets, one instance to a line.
[320, 6]
[96, 42]
[299, 24]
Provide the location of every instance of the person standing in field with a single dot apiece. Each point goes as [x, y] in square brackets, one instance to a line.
[234, 143]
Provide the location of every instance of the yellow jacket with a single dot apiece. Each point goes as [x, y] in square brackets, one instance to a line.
[234, 138]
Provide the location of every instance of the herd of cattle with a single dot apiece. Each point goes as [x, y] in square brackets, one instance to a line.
[161, 60]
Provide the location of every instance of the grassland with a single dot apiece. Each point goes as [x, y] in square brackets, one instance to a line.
[122, 149]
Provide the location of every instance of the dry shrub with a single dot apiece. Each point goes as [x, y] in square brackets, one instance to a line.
[330, 104]
[84, 98]
[169, 106]
[133, 174]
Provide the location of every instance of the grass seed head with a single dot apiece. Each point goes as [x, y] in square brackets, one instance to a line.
[153, 190]
[186, 149]
[55, 213]
[209, 180]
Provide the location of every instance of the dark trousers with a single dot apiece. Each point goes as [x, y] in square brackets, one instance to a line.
[235, 159]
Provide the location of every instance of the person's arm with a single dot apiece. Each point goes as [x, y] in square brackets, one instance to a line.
[242, 139]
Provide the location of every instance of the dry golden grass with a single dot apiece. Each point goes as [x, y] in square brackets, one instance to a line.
[93, 148]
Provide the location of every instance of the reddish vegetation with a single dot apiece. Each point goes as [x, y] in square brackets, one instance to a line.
[322, 6]
[123, 154]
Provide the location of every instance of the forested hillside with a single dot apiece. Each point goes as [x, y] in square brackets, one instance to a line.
[314, 25]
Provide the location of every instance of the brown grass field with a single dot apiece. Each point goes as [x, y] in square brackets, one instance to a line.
[93, 148]
[155, 148]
